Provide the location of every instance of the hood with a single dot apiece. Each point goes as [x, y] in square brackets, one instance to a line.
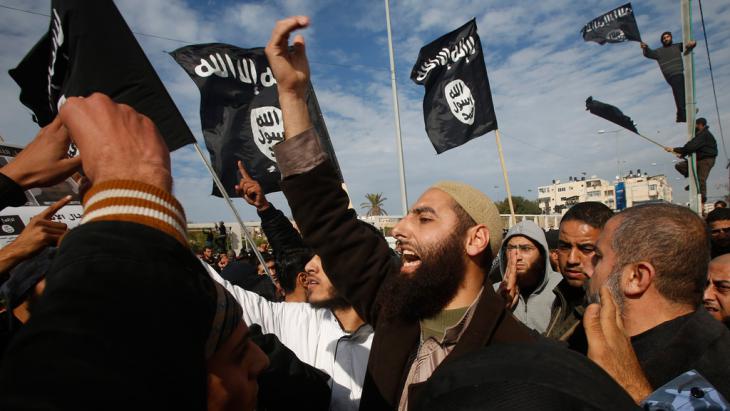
[530, 230]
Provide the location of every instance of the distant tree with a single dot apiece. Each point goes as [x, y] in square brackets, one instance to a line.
[522, 206]
[374, 204]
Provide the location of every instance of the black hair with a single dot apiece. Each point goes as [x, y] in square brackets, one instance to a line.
[702, 121]
[718, 214]
[593, 213]
[666, 32]
[289, 264]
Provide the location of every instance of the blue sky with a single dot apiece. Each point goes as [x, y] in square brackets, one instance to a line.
[540, 69]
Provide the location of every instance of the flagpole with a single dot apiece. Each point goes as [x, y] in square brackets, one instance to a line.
[223, 191]
[695, 202]
[513, 220]
[399, 143]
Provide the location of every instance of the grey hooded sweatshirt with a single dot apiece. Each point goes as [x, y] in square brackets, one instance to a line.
[534, 312]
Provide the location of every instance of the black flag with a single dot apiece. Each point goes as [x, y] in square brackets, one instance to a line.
[610, 113]
[457, 106]
[616, 26]
[89, 48]
[239, 112]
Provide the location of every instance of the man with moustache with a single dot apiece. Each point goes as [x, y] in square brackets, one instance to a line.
[431, 308]
[717, 292]
[656, 283]
[579, 230]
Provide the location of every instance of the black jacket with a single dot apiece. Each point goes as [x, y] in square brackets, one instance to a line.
[121, 325]
[692, 342]
[703, 144]
[357, 260]
[279, 231]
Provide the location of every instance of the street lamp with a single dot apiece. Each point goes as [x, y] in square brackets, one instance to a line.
[618, 163]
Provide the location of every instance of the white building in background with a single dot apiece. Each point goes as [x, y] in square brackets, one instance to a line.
[644, 189]
[640, 188]
[559, 196]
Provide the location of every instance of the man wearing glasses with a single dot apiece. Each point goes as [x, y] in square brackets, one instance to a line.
[527, 278]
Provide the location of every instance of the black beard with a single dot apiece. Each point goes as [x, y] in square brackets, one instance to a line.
[426, 291]
[336, 301]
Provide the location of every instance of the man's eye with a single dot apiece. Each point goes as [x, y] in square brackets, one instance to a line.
[424, 219]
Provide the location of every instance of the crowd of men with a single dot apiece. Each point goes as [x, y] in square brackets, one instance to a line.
[617, 311]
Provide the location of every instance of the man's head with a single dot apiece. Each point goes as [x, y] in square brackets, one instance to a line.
[222, 260]
[666, 39]
[700, 124]
[270, 264]
[453, 230]
[320, 291]
[234, 361]
[718, 221]
[579, 230]
[530, 260]
[651, 254]
[720, 204]
[291, 269]
[717, 293]
[208, 253]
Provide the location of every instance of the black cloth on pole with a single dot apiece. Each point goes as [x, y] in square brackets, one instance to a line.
[240, 113]
[616, 26]
[610, 113]
[457, 106]
[89, 48]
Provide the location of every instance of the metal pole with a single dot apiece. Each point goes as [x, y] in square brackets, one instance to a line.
[399, 143]
[695, 203]
[246, 234]
[506, 179]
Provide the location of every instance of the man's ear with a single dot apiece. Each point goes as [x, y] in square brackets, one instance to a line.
[636, 278]
[477, 240]
[302, 279]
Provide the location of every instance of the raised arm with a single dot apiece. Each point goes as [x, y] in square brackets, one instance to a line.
[43, 162]
[648, 53]
[355, 258]
[277, 228]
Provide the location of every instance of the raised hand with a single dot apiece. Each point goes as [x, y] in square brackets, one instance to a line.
[116, 142]
[508, 288]
[610, 347]
[40, 232]
[251, 190]
[44, 162]
[291, 70]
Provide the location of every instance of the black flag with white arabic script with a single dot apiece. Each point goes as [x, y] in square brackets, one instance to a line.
[89, 48]
[457, 106]
[610, 113]
[240, 113]
[616, 26]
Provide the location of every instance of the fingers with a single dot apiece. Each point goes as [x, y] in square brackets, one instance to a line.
[53, 208]
[280, 35]
[594, 332]
[608, 313]
[243, 171]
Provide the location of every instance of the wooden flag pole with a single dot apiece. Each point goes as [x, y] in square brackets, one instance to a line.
[224, 193]
[513, 220]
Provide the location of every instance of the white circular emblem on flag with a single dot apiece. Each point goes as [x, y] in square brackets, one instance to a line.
[8, 229]
[460, 101]
[616, 35]
[267, 129]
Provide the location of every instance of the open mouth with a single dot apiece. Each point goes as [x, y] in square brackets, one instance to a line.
[410, 260]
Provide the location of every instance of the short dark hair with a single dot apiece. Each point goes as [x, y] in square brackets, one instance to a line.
[720, 203]
[718, 214]
[593, 213]
[666, 32]
[702, 121]
[674, 240]
[289, 264]
[464, 222]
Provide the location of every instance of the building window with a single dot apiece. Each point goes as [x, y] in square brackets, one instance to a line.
[594, 194]
[652, 187]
